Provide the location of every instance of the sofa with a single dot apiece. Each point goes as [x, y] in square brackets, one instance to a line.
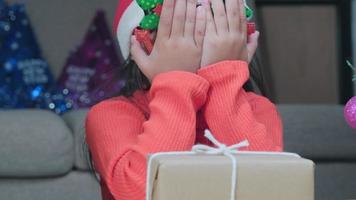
[42, 155]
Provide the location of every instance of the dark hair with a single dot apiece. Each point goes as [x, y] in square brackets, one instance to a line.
[135, 79]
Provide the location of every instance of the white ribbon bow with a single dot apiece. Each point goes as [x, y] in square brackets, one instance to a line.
[222, 149]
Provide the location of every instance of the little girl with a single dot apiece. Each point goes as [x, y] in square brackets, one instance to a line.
[194, 76]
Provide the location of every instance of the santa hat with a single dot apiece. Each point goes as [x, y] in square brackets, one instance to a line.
[128, 16]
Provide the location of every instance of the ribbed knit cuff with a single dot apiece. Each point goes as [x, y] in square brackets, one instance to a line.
[225, 71]
[185, 83]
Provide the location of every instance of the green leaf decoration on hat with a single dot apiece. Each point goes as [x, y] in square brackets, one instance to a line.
[148, 4]
[150, 22]
[248, 11]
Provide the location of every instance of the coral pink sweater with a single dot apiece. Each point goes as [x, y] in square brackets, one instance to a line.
[172, 116]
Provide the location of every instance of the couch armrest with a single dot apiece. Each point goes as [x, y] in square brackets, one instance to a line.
[318, 132]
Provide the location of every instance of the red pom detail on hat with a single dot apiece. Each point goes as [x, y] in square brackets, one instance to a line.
[158, 9]
[251, 28]
[143, 36]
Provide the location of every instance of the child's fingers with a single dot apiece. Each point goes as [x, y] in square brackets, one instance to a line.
[210, 23]
[243, 20]
[200, 26]
[138, 53]
[252, 45]
[179, 18]
[190, 18]
[233, 14]
[165, 22]
[220, 16]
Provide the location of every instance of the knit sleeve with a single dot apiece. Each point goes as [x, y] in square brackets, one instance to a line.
[233, 115]
[120, 138]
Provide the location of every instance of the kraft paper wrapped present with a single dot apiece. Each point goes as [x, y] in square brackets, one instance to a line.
[205, 176]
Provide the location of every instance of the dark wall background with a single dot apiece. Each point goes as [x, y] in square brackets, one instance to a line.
[304, 48]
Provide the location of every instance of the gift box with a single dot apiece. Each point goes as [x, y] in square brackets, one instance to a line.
[259, 175]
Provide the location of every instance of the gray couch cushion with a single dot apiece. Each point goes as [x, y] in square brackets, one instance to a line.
[335, 180]
[73, 186]
[75, 121]
[318, 132]
[34, 143]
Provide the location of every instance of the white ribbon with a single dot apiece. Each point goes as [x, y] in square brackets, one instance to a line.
[221, 149]
[227, 151]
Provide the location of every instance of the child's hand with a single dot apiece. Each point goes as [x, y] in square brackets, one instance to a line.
[226, 34]
[179, 41]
